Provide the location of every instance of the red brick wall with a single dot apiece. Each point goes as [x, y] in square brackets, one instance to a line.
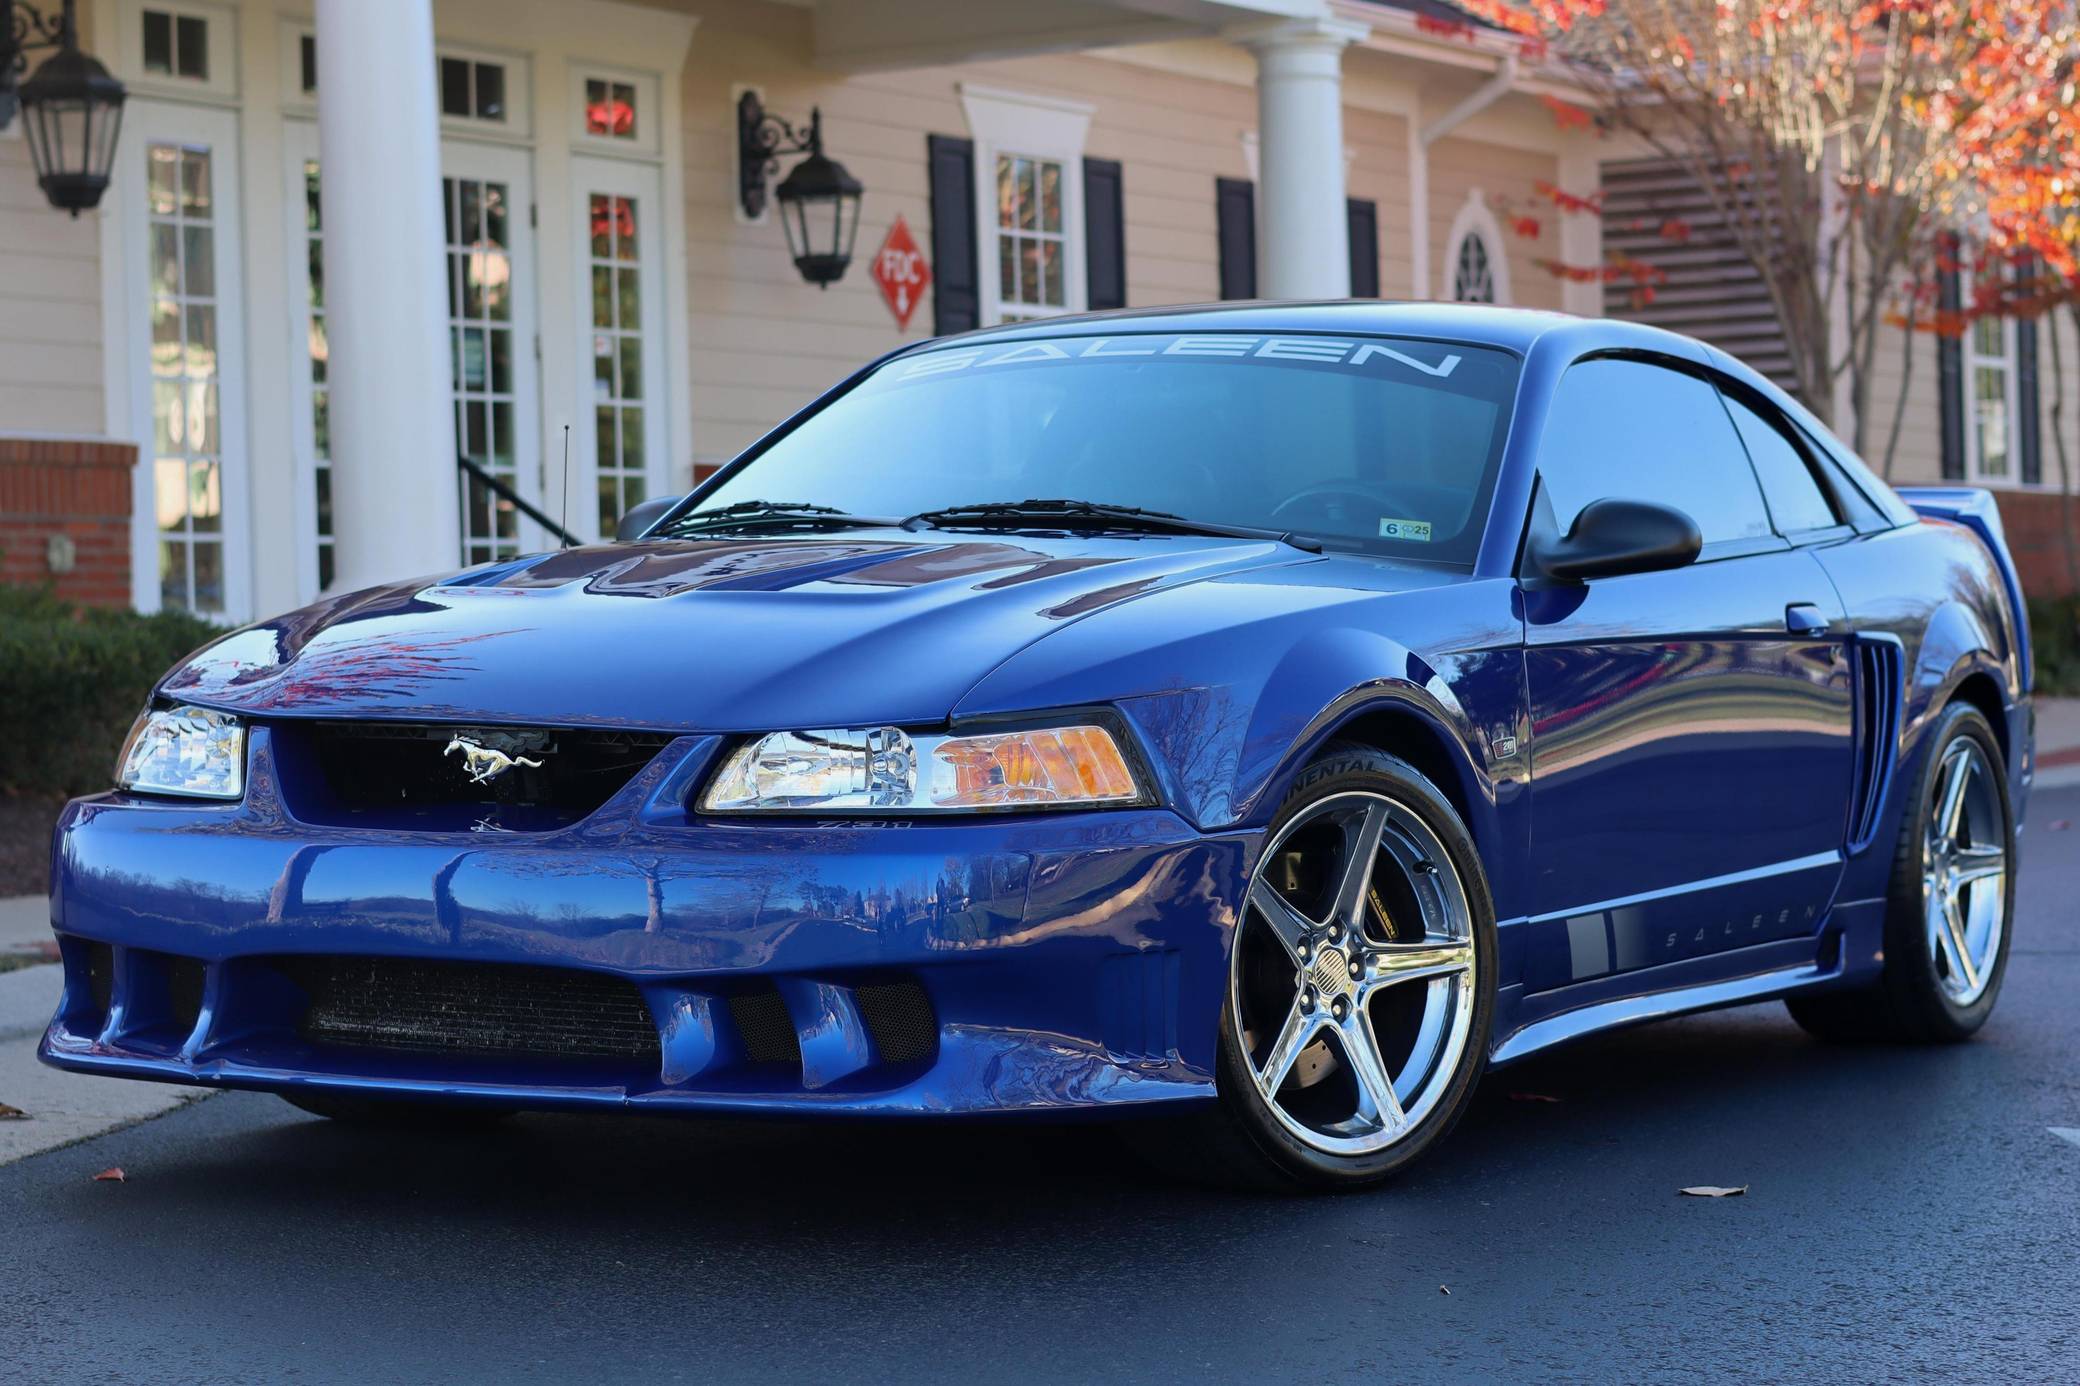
[76, 487]
[2035, 522]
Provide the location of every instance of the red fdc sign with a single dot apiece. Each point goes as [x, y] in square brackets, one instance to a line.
[901, 271]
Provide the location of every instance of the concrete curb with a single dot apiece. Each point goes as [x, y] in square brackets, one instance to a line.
[60, 1108]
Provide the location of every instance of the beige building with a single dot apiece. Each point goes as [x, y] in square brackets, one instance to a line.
[561, 246]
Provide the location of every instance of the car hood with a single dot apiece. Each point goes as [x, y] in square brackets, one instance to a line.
[711, 635]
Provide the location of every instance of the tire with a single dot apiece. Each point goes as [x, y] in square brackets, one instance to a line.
[1921, 996]
[1424, 872]
[396, 1113]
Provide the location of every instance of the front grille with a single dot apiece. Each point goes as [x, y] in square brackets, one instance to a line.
[411, 776]
[548, 1014]
[899, 1017]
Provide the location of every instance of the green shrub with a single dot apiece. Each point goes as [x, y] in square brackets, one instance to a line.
[71, 682]
[2054, 631]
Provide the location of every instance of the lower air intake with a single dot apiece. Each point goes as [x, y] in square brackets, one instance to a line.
[767, 1029]
[899, 1018]
[543, 1014]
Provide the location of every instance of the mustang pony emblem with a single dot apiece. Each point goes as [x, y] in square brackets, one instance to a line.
[484, 763]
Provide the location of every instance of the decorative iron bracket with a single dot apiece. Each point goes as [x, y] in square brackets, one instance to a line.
[23, 30]
[761, 139]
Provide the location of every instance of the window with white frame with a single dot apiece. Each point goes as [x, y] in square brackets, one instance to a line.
[1029, 156]
[175, 45]
[615, 112]
[610, 109]
[618, 405]
[1032, 239]
[320, 357]
[187, 454]
[1990, 399]
[1474, 258]
[473, 90]
[179, 48]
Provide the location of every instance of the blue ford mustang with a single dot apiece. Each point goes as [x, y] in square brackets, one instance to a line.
[1261, 718]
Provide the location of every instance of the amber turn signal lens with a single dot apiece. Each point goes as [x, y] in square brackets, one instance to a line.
[1051, 765]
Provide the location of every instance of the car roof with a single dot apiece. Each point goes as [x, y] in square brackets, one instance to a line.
[1512, 328]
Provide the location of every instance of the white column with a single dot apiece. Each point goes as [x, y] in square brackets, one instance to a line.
[1303, 239]
[395, 505]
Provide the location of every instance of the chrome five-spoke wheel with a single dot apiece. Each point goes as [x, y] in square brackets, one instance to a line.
[1964, 863]
[1353, 988]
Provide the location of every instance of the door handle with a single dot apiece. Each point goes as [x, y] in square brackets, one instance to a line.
[1803, 618]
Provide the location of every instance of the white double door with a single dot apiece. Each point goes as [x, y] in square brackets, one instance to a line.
[488, 258]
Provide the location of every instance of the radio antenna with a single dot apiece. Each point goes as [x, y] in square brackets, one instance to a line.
[566, 538]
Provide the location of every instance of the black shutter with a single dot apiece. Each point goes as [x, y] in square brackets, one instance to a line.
[1235, 210]
[2028, 433]
[1950, 363]
[1104, 234]
[1363, 217]
[956, 288]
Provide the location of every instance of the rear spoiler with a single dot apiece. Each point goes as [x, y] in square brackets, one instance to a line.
[1974, 509]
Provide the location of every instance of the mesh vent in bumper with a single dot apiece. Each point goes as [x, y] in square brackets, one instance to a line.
[484, 1009]
[767, 1030]
[899, 1017]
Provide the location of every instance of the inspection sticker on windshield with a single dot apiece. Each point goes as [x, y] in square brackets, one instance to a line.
[1417, 531]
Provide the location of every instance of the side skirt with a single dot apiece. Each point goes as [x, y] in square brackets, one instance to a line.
[1774, 971]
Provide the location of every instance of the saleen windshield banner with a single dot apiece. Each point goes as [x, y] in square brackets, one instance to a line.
[1404, 358]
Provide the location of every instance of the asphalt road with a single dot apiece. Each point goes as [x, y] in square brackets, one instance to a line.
[1910, 1217]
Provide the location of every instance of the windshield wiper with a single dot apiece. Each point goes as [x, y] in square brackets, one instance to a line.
[1060, 513]
[761, 513]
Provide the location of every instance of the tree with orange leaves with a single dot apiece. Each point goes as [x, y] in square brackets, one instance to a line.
[1836, 140]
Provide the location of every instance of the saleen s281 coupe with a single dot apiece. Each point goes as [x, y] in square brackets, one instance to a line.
[1261, 718]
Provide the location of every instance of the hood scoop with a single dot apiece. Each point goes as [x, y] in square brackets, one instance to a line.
[668, 568]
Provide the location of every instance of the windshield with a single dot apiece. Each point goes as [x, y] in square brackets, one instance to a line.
[1384, 444]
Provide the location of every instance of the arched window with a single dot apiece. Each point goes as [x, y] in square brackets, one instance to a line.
[1472, 280]
[1476, 265]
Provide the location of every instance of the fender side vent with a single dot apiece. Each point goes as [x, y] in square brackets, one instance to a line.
[1878, 670]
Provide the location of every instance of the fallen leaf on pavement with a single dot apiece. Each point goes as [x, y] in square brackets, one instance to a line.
[113, 1174]
[8, 1113]
[2059, 825]
[1714, 1191]
[1533, 1097]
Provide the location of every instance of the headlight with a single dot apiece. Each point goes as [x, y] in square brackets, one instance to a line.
[884, 770]
[191, 751]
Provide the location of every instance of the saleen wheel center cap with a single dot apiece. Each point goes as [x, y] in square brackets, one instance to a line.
[1331, 974]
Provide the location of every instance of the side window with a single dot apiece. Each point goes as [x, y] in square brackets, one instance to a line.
[1794, 497]
[1857, 508]
[1634, 431]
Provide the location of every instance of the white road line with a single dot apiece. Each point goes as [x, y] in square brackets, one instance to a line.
[2066, 1133]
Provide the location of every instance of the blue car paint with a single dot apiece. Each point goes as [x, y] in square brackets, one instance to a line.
[1073, 960]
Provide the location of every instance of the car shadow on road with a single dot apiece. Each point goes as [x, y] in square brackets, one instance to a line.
[1697, 1080]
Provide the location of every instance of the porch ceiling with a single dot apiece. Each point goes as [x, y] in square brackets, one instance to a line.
[862, 35]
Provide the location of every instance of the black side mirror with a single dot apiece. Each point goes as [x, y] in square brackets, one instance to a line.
[641, 516]
[1620, 536]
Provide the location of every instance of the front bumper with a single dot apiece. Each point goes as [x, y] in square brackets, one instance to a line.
[1068, 960]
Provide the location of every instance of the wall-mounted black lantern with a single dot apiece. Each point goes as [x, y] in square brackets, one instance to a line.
[819, 200]
[71, 109]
